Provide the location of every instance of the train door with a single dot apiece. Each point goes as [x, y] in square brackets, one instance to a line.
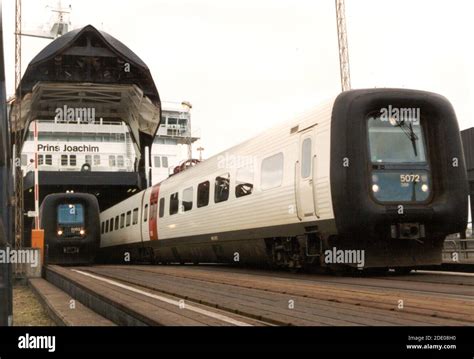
[304, 175]
[153, 222]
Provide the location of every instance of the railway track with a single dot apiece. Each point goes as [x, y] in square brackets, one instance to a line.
[269, 298]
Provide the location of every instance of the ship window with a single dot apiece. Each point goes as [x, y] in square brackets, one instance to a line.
[40, 160]
[162, 207]
[129, 218]
[117, 223]
[72, 160]
[96, 160]
[145, 213]
[164, 161]
[89, 159]
[203, 194]
[174, 203]
[306, 158]
[135, 216]
[157, 161]
[122, 220]
[63, 160]
[221, 188]
[120, 161]
[244, 181]
[172, 121]
[48, 159]
[188, 199]
[183, 122]
[24, 160]
[112, 161]
[272, 171]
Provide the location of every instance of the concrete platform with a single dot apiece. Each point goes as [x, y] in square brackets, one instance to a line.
[64, 310]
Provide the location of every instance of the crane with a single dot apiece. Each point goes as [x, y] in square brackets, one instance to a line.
[343, 48]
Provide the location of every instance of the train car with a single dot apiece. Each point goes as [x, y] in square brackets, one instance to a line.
[371, 179]
[71, 228]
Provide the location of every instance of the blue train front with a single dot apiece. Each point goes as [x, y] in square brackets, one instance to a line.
[71, 228]
[398, 176]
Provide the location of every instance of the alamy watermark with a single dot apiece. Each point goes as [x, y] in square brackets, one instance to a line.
[400, 114]
[19, 256]
[72, 114]
[345, 256]
[229, 160]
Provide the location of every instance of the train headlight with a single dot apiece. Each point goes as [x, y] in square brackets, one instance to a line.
[82, 232]
[375, 188]
[60, 232]
[424, 187]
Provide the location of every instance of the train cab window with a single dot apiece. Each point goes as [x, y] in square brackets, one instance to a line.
[203, 194]
[188, 199]
[174, 203]
[70, 214]
[135, 216]
[162, 207]
[72, 160]
[145, 213]
[116, 223]
[221, 188]
[129, 218]
[306, 158]
[244, 181]
[122, 220]
[272, 171]
[64, 160]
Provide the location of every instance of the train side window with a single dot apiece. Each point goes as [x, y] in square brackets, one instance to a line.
[244, 181]
[129, 218]
[221, 188]
[122, 220]
[188, 199]
[111, 224]
[145, 213]
[116, 223]
[103, 228]
[107, 226]
[272, 171]
[203, 194]
[162, 207]
[135, 216]
[306, 158]
[174, 203]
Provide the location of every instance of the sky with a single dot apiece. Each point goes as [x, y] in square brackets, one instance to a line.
[247, 65]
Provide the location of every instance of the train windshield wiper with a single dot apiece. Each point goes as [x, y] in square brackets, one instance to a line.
[408, 130]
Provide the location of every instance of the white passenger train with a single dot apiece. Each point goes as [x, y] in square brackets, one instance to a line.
[345, 178]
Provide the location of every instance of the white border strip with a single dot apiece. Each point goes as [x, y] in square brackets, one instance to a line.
[167, 300]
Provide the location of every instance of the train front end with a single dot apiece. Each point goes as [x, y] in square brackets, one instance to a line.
[398, 175]
[71, 228]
